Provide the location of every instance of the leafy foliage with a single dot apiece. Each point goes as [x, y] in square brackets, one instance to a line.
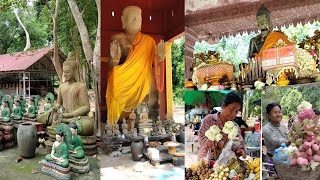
[178, 70]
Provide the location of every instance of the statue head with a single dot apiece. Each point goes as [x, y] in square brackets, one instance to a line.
[131, 19]
[124, 121]
[59, 136]
[132, 110]
[73, 127]
[17, 102]
[264, 19]
[69, 67]
[5, 103]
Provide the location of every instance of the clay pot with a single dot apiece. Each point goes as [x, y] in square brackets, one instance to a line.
[136, 150]
[8, 145]
[27, 140]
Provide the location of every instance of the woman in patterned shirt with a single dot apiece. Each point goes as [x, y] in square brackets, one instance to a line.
[231, 104]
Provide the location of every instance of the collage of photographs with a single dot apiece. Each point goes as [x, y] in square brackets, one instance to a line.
[160, 89]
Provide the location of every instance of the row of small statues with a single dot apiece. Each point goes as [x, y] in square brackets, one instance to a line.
[20, 109]
[157, 129]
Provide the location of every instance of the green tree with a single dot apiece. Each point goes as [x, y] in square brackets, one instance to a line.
[178, 70]
[290, 102]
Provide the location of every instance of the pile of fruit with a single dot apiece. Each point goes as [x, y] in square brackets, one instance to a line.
[199, 171]
[234, 169]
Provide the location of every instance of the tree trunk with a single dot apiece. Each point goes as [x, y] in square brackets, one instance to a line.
[74, 36]
[82, 30]
[28, 44]
[96, 77]
[55, 59]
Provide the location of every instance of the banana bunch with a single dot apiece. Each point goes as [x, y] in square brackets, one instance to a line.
[254, 165]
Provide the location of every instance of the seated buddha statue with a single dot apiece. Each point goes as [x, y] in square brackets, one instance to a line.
[124, 128]
[76, 142]
[267, 38]
[133, 58]
[17, 110]
[47, 106]
[5, 111]
[31, 111]
[59, 153]
[73, 97]
[144, 115]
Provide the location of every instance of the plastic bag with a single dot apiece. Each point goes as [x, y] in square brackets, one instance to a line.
[226, 155]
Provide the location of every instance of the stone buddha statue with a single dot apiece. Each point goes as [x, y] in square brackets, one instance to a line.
[17, 110]
[124, 127]
[116, 130]
[132, 56]
[108, 131]
[31, 111]
[267, 38]
[5, 111]
[144, 115]
[73, 97]
[59, 153]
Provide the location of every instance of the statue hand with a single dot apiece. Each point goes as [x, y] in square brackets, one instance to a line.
[115, 50]
[161, 51]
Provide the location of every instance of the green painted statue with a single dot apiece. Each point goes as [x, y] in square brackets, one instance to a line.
[5, 112]
[76, 142]
[31, 111]
[47, 106]
[59, 153]
[23, 104]
[17, 110]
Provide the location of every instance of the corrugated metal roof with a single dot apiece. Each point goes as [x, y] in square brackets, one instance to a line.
[21, 60]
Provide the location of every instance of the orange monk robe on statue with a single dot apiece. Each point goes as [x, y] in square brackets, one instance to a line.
[272, 39]
[130, 82]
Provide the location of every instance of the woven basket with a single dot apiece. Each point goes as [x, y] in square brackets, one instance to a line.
[287, 172]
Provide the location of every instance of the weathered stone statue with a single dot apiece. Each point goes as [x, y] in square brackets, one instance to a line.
[155, 130]
[31, 111]
[144, 115]
[17, 110]
[132, 119]
[124, 127]
[266, 39]
[116, 130]
[108, 131]
[73, 97]
[135, 52]
[5, 111]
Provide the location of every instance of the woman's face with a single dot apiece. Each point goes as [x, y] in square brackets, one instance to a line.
[275, 115]
[230, 111]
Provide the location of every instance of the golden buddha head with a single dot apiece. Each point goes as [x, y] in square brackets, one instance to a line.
[131, 19]
[264, 19]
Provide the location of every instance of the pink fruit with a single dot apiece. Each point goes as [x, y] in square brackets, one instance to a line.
[296, 154]
[316, 158]
[318, 139]
[309, 158]
[309, 152]
[309, 138]
[293, 162]
[301, 148]
[315, 147]
[318, 152]
[303, 154]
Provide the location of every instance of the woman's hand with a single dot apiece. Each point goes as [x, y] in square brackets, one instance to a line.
[241, 152]
[222, 142]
